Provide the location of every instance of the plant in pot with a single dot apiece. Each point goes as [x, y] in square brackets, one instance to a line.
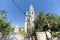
[43, 20]
[39, 23]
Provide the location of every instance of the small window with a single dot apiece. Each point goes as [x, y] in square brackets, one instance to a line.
[32, 13]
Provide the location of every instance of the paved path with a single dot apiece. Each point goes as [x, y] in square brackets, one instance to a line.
[14, 36]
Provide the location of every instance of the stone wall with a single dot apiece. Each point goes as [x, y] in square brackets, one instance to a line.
[41, 35]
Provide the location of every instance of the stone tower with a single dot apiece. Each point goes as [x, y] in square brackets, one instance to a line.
[26, 21]
[29, 19]
[31, 16]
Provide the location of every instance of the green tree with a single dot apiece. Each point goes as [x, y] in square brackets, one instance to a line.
[40, 21]
[3, 14]
[5, 27]
[49, 20]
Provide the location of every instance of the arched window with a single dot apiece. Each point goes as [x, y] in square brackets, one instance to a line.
[32, 13]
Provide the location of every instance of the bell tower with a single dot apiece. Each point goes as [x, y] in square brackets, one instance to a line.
[29, 21]
[31, 16]
[26, 21]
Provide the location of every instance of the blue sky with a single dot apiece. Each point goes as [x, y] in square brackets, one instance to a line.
[15, 16]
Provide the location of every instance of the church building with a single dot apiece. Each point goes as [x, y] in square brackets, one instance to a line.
[29, 19]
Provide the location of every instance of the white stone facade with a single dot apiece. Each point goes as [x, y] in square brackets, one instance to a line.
[29, 19]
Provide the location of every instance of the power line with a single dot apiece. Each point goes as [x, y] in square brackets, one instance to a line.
[18, 6]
